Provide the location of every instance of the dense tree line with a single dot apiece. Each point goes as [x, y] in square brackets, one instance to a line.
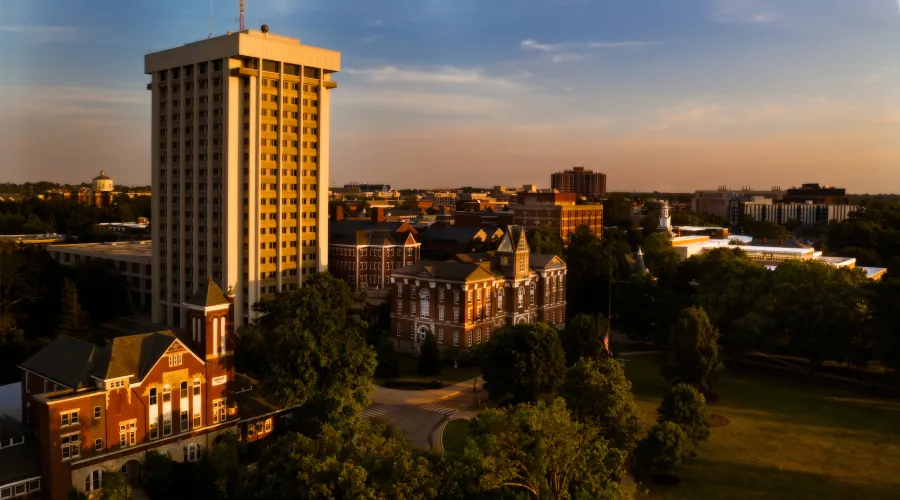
[68, 217]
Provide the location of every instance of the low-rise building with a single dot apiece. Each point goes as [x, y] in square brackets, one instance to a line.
[364, 253]
[463, 300]
[441, 243]
[88, 409]
[130, 259]
[806, 213]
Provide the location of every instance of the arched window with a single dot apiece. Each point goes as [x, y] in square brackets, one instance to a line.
[222, 336]
[521, 296]
[215, 329]
[424, 303]
[184, 389]
[500, 300]
[93, 481]
[531, 294]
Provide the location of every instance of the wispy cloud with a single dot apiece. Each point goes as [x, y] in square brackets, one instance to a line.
[571, 52]
[697, 114]
[743, 11]
[375, 22]
[40, 29]
[439, 75]
[880, 74]
[424, 103]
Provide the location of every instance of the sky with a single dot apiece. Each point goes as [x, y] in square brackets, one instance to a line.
[668, 95]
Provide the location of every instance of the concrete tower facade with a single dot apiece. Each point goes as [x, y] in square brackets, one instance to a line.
[240, 162]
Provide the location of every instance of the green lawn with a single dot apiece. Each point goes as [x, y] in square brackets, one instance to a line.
[455, 434]
[410, 364]
[786, 439]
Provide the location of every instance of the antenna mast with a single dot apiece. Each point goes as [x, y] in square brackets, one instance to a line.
[241, 4]
[210, 18]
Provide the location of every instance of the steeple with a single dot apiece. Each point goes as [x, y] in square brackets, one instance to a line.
[665, 220]
[639, 266]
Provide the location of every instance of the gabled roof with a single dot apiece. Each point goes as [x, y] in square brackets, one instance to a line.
[66, 360]
[545, 261]
[208, 295]
[348, 227]
[455, 234]
[375, 237]
[514, 240]
[73, 362]
[449, 270]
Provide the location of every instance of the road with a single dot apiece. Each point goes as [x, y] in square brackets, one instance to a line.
[420, 413]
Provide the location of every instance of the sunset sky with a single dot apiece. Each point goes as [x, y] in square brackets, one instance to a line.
[670, 95]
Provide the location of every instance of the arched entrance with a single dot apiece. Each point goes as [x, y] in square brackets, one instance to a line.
[520, 321]
[132, 472]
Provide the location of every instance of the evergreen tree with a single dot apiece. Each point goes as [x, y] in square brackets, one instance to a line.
[685, 406]
[72, 319]
[430, 358]
[693, 350]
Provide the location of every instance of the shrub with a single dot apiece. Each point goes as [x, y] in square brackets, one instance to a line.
[686, 407]
[663, 449]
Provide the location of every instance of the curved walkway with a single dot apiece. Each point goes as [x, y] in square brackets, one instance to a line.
[417, 398]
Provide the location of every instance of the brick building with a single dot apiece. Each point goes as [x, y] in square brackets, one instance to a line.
[558, 211]
[579, 181]
[88, 409]
[462, 301]
[365, 255]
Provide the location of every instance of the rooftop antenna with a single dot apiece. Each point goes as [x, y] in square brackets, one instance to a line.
[241, 5]
[210, 18]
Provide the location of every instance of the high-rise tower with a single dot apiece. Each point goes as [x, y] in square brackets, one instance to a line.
[240, 158]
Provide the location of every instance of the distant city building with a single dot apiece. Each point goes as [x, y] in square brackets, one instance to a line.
[240, 155]
[464, 300]
[806, 213]
[723, 202]
[582, 182]
[816, 194]
[441, 199]
[127, 231]
[133, 260]
[557, 211]
[86, 409]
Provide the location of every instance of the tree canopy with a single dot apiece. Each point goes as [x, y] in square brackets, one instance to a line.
[693, 350]
[523, 361]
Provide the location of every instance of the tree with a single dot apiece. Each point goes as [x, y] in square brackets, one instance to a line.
[370, 461]
[525, 361]
[159, 476]
[430, 357]
[684, 405]
[545, 240]
[583, 337]
[693, 350]
[72, 319]
[410, 202]
[822, 309]
[309, 352]
[663, 449]
[540, 450]
[660, 256]
[599, 395]
[388, 366]
[219, 474]
[590, 264]
[76, 494]
[115, 486]
[34, 225]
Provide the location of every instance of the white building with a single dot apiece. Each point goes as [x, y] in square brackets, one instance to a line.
[807, 214]
[240, 160]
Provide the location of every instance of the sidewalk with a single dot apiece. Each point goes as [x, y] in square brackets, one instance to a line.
[415, 398]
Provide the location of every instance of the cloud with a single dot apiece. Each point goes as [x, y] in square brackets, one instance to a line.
[440, 75]
[879, 75]
[566, 58]
[40, 29]
[375, 22]
[743, 11]
[797, 109]
[542, 47]
[534, 45]
[423, 102]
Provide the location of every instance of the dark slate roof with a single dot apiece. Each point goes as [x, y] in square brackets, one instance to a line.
[456, 234]
[20, 462]
[378, 237]
[251, 401]
[129, 355]
[10, 427]
[448, 270]
[347, 227]
[66, 360]
[209, 295]
[543, 261]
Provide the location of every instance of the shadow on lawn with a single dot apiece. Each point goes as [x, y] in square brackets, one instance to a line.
[728, 480]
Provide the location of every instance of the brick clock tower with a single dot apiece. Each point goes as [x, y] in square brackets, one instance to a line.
[210, 323]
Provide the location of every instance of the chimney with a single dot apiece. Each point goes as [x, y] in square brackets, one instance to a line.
[337, 212]
[377, 215]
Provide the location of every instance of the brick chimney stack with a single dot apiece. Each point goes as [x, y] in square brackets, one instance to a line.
[337, 212]
[378, 215]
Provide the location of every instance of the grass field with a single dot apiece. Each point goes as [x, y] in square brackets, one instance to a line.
[410, 364]
[454, 437]
[786, 439]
